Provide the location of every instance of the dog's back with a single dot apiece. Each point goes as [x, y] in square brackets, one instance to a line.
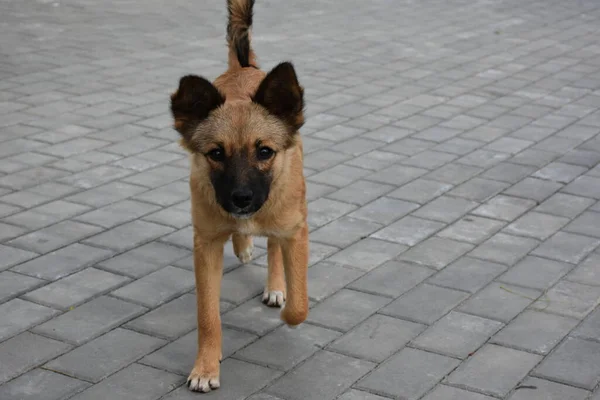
[243, 76]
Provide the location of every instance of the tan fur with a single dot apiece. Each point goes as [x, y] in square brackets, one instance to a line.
[236, 124]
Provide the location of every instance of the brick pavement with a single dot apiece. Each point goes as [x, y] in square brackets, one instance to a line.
[452, 152]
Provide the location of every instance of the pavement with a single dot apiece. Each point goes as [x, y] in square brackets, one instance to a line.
[452, 152]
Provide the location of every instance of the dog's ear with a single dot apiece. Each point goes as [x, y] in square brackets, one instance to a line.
[281, 94]
[192, 102]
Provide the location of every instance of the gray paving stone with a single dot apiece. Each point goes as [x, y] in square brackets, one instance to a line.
[424, 304]
[478, 189]
[505, 208]
[534, 189]
[377, 338]
[19, 315]
[104, 355]
[589, 327]
[567, 247]
[26, 351]
[436, 252]
[453, 173]
[374, 160]
[535, 272]
[133, 382]
[575, 362]
[12, 285]
[40, 384]
[131, 234]
[414, 373]
[569, 299]
[344, 231]
[170, 320]
[504, 249]
[10, 256]
[157, 287]
[547, 390]
[367, 254]
[408, 230]
[586, 224]
[63, 262]
[323, 211]
[240, 284]
[421, 190]
[588, 272]
[457, 334]
[360, 192]
[179, 355]
[55, 236]
[284, 348]
[467, 274]
[559, 172]
[391, 279]
[350, 395]
[508, 172]
[536, 332]
[565, 205]
[117, 213]
[585, 186]
[500, 302]
[536, 225]
[471, 229]
[323, 377]
[445, 209]
[76, 289]
[345, 309]
[89, 320]
[442, 392]
[253, 316]
[493, 370]
[105, 194]
[238, 380]
[326, 278]
[384, 210]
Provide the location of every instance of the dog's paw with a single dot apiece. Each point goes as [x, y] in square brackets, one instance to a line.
[273, 298]
[246, 254]
[202, 383]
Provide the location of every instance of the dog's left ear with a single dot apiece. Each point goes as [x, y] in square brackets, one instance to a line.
[281, 94]
[192, 102]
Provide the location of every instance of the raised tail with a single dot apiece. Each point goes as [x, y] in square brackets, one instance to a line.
[238, 33]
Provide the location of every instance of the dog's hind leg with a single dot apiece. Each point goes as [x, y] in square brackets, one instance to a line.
[274, 294]
[243, 246]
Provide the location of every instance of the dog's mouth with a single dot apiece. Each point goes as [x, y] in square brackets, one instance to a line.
[243, 214]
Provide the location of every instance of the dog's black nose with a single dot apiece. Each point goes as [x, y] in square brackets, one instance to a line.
[241, 198]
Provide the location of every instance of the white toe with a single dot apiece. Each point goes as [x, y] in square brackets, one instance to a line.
[246, 254]
[273, 298]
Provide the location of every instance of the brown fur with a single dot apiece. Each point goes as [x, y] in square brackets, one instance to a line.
[244, 106]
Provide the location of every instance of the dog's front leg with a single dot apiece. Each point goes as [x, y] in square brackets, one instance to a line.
[208, 267]
[295, 262]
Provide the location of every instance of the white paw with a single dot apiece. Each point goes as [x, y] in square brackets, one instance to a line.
[273, 298]
[246, 254]
[202, 384]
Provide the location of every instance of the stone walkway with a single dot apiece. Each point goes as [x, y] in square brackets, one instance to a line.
[452, 151]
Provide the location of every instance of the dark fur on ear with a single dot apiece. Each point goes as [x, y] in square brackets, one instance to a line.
[281, 94]
[195, 98]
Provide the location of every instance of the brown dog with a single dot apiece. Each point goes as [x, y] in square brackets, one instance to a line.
[246, 179]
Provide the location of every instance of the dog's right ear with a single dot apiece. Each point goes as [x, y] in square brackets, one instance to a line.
[192, 102]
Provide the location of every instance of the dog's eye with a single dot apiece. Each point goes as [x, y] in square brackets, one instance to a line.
[216, 155]
[264, 153]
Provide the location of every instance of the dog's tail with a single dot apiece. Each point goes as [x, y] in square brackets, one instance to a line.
[238, 33]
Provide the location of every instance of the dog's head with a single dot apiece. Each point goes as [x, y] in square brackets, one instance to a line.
[241, 145]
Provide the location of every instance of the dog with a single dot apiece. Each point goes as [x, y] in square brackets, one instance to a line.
[246, 179]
